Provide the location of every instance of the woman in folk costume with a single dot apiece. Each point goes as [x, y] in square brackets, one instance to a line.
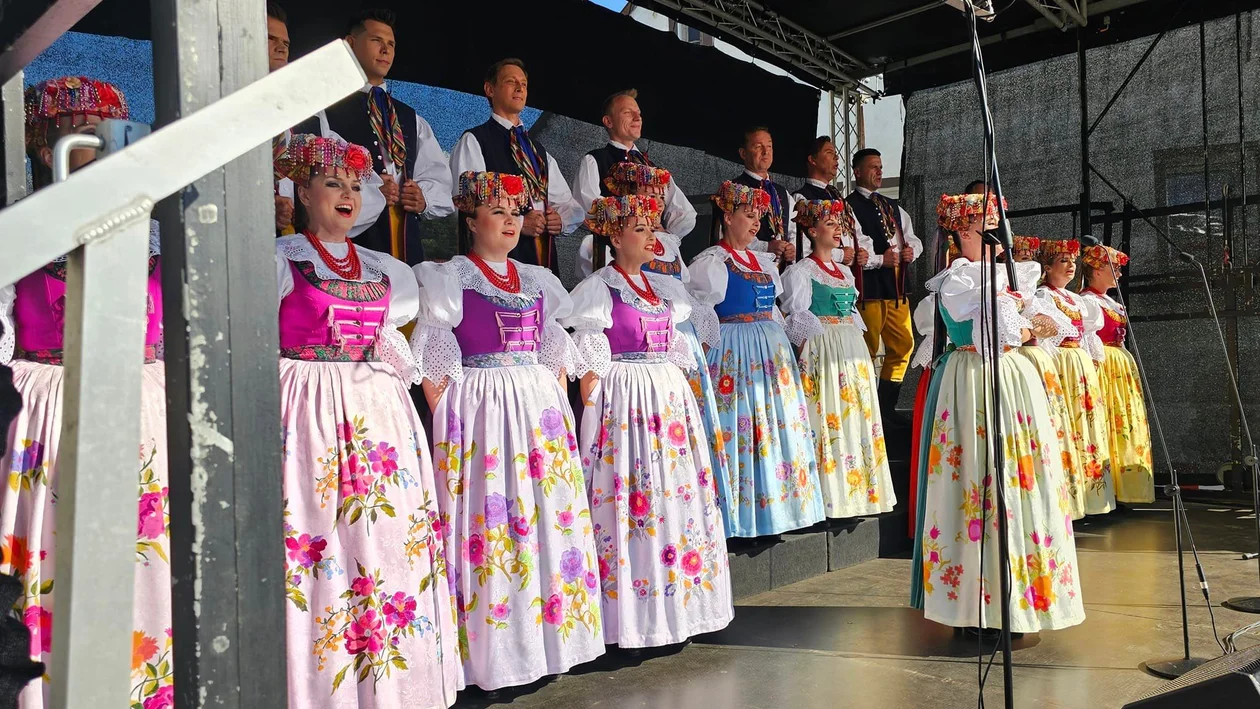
[773, 485]
[1085, 449]
[513, 497]
[699, 327]
[1129, 434]
[1041, 353]
[819, 298]
[662, 551]
[370, 621]
[31, 339]
[956, 561]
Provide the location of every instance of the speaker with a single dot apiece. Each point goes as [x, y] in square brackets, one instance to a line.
[1229, 681]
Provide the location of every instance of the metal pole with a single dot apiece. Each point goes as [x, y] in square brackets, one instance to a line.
[1082, 67]
[12, 141]
[1242, 141]
[226, 516]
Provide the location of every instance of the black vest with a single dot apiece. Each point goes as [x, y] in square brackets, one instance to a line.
[877, 284]
[348, 118]
[766, 233]
[608, 156]
[496, 152]
[813, 192]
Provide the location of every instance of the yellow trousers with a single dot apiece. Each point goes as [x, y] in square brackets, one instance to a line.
[890, 320]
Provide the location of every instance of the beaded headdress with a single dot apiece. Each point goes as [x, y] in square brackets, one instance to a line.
[624, 177]
[305, 152]
[485, 187]
[815, 211]
[69, 96]
[732, 195]
[1061, 247]
[1096, 257]
[1025, 248]
[608, 214]
[956, 212]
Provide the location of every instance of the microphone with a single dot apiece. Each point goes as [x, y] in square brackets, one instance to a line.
[1088, 240]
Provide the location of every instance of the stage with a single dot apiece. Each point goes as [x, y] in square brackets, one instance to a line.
[848, 639]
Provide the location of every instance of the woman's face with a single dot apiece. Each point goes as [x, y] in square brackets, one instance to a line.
[1102, 279]
[1061, 270]
[332, 201]
[971, 243]
[70, 125]
[496, 225]
[741, 226]
[826, 234]
[635, 242]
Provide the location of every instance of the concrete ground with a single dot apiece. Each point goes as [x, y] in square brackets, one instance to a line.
[848, 639]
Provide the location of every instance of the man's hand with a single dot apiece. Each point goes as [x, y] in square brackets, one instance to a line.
[412, 197]
[533, 223]
[554, 224]
[390, 189]
[284, 213]
[847, 258]
[862, 257]
[907, 255]
[892, 257]
[789, 251]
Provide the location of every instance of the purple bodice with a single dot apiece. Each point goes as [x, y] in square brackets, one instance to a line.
[39, 312]
[496, 332]
[637, 331]
[335, 320]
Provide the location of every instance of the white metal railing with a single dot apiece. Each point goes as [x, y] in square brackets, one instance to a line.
[99, 217]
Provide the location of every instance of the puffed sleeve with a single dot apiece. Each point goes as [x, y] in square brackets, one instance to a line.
[404, 303]
[1043, 304]
[798, 293]
[702, 317]
[708, 278]
[8, 338]
[925, 325]
[960, 294]
[1092, 322]
[284, 278]
[440, 309]
[591, 315]
[557, 351]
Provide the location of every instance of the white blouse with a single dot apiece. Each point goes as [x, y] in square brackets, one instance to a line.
[404, 295]
[958, 289]
[592, 314]
[798, 295]
[442, 285]
[1103, 300]
[1091, 318]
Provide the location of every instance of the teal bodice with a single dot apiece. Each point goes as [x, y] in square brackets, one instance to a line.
[827, 301]
[959, 333]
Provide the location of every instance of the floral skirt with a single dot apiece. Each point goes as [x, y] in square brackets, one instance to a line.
[1059, 417]
[702, 388]
[28, 518]
[1086, 445]
[662, 550]
[956, 560]
[519, 541]
[369, 619]
[1129, 435]
[772, 486]
[839, 383]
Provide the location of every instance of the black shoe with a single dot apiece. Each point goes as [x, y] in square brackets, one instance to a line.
[889, 393]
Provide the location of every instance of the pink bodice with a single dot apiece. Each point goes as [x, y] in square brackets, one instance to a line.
[332, 321]
[39, 313]
[1115, 325]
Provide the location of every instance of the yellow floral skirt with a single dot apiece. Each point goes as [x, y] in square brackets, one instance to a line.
[1129, 434]
[1044, 364]
[1085, 450]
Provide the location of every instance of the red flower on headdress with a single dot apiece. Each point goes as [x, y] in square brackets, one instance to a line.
[513, 184]
[357, 158]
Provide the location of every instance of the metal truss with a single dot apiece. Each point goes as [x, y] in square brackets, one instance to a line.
[1063, 14]
[814, 58]
[847, 132]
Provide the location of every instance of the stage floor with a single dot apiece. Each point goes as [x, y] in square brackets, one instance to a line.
[848, 639]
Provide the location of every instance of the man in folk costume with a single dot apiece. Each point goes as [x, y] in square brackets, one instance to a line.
[778, 231]
[883, 302]
[822, 163]
[405, 152]
[624, 123]
[278, 58]
[503, 145]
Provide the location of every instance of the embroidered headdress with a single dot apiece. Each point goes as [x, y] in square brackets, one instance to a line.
[1060, 247]
[485, 187]
[1025, 248]
[305, 152]
[732, 195]
[625, 177]
[69, 96]
[608, 214]
[956, 212]
[1096, 256]
[815, 211]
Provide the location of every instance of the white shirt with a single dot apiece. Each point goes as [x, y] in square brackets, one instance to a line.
[680, 216]
[862, 240]
[908, 237]
[370, 189]
[428, 166]
[467, 156]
